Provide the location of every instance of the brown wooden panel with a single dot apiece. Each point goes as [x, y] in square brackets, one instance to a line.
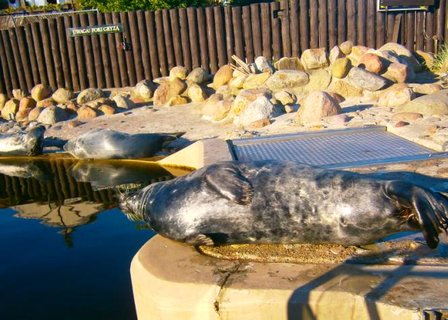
[247, 29]
[38, 48]
[410, 34]
[135, 35]
[342, 21]
[332, 24]
[361, 21]
[153, 51]
[47, 54]
[129, 54]
[371, 26]
[203, 42]
[237, 21]
[120, 53]
[88, 52]
[211, 38]
[440, 27]
[146, 62]
[429, 41]
[96, 49]
[56, 53]
[24, 58]
[256, 29]
[62, 36]
[351, 21]
[113, 53]
[446, 22]
[185, 38]
[305, 42]
[32, 54]
[71, 55]
[105, 57]
[177, 40]
[323, 24]
[419, 30]
[380, 29]
[194, 38]
[314, 24]
[286, 34]
[17, 61]
[6, 70]
[294, 25]
[230, 46]
[220, 30]
[390, 19]
[169, 46]
[266, 30]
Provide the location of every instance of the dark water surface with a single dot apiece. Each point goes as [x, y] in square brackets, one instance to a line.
[65, 249]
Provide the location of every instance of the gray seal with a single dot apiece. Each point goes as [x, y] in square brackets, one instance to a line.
[110, 144]
[25, 143]
[287, 202]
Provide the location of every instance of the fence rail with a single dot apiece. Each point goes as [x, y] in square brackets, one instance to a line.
[42, 52]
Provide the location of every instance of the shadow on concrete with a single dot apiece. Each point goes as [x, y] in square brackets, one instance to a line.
[358, 107]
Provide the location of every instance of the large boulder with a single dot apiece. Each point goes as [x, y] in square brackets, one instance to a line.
[366, 80]
[10, 109]
[196, 93]
[341, 67]
[435, 104]
[371, 62]
[335, 53]
[316, 106]
[144, 90]
[53, 114]
[86, 113]
[18, 94]
[40, 92]
[284, 79]
[399, 72]
[245, 97]
[427, 88]
[319, 80]
[259, 109]
[46, 103]
[3, 99]
[396, 96]
[34, 114]
[314, 58]
[216, 110]
[404, 54]
[168, 90]
[345, 89]
[285, 97]
[222, 76]
[178, 72]
[426, 58]
[263, 64]
[89, 94]
[346, 47]
[286, 63]
[107, 110]
[356, 54]
[123, 102]
[177, 101]
[62, 95]
[25, 107]
[198, 75]
[256, 80]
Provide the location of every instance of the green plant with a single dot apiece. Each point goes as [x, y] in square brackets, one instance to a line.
[129, 5]
[440, 64]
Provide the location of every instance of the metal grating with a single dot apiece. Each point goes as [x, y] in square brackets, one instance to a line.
[333, 148]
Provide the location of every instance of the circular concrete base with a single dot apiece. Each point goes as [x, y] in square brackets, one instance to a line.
[173, 281]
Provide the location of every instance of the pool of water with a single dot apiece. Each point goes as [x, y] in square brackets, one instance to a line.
[65, 247]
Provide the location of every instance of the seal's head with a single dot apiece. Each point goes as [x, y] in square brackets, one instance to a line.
[34, 139]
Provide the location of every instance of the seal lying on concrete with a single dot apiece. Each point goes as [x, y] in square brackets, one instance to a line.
[22, 143]
[110, 144]
[286, 202]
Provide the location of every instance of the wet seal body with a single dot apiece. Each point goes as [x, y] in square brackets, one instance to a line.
[286, 202]
[28, 143]
[110, 144]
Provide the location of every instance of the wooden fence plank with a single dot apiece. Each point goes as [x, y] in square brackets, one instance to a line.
[16, 60]
[237, 22]
[37, 41]
[185, 35]
[113, 53]
[71, 55]
[323, 24]
[169, 45]
[89, 59]
[332, 24]
[342, 21]
[194, 38]
[446, 22]
[380, 29]
[419, 30]
[351, 20]
[32, 54]
[177, 39]
[24, 58]
[6, 68]
[247, 29]
[47, 54]
[314, 22]
[120, 53]
[136, 47]
[304, 26]
[211, 38]
[220, 30]
[295, 31]
[153, 51]
[441, 20]
[105, 57]
[361, 21]
[266, 30]
[146, 62]
[410, 34]
[370, 32]
[129, 55]
[62, 37]
[2, 80]
[203, 44]
[286, 34]
[256, 29]
[56, 53]
[230, 44]
[429, 42]
[390, 19]
[276, 32]
[96, 50]
[161, 45]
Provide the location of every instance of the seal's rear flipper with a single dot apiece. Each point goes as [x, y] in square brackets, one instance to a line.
[227, 180]
[199, 240]
[430, 210]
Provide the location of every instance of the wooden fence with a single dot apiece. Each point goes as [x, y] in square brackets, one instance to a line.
[43, 53]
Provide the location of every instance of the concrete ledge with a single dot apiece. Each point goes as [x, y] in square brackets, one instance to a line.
[173, 281]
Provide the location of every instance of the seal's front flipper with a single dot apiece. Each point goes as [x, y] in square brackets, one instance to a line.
[199, 240]
[227, 180]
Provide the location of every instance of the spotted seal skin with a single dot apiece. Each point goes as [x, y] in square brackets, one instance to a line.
[28, 143]
[286, 202]
[110, 144]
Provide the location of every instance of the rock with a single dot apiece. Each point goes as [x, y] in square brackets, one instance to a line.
[336, 97]
[123, 102]
[52, 114]
[284, 79]
[71, 106]
[62, 95]
[371, 62]
[98, 102]
[403, 53]
[286, 63]
[10, 109]
[74, 123]
[256, 80]
[216, 109]
[86, 113]
[319, 80]
[337, 120]
[144, 90]
[285, 97]
[400, 124]
[18, 94]
[356, 54]
[260, 108]
[245, 97]
[34, 114]
[25, 107]
[177, 101]
[406, 116]
[346, 47]
[427, 88]
[426, 58]
[366, 80]
[316, 106]
[398, 72]
[178, 72]
[335, 54]
[196, 93]
[396, 96]
[435, 104]
[167, 90]
[46, 103]
[198, 75]
[3, 99]
[341, 67]
[314, 58]
[263, 65]
[89, 95]
[237, 82]
[345, 89]
[259, 124]
[107, 110]
[222, 76]
[40, 92]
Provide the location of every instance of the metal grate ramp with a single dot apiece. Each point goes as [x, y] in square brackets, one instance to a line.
[333, 148]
